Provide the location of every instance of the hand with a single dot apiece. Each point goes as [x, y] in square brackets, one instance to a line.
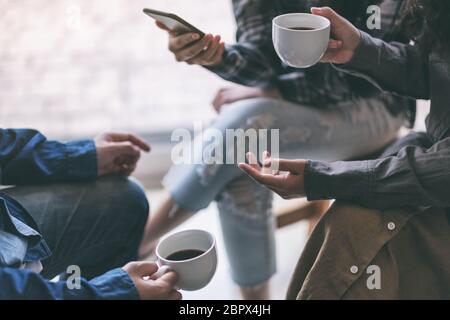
[288, 181]
[345, 37]
[237, 93]
[152, 289]
[189, 48]
[118, 152]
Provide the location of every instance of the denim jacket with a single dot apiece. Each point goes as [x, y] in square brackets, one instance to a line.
[27, 157]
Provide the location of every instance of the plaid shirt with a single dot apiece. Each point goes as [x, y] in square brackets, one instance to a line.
[252, 61]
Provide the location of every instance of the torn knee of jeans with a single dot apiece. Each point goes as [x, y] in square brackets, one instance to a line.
[263, 121]
[206, 173]
[293, 135]
[244, 197]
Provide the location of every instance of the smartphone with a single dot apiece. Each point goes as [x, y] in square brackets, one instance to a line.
[173, 22]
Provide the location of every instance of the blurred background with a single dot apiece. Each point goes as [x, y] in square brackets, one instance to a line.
[75, 68]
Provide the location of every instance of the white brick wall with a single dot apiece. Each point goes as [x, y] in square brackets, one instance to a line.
[113, 72]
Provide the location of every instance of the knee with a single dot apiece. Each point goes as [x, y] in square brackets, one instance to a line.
[126, 198]
[246, 114]
[245, 198]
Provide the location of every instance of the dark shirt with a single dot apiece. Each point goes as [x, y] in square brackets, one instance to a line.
[418, 175]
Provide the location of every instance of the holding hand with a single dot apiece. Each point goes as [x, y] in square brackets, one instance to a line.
[345, 37]
[237, 93]
[118, 152]
[288, 182]
[149, 288]
[192, 49]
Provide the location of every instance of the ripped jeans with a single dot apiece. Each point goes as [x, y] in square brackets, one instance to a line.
[349, 130]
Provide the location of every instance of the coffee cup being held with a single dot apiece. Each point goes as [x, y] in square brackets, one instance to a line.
[192, 255]
[301, 39]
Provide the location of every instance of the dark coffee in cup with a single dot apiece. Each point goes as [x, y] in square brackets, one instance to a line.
[301, 28]
[185, 255]
[301, 39]
[191, 254]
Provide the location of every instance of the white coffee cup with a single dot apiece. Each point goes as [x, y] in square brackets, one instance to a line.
[195, 273]
[301, 48]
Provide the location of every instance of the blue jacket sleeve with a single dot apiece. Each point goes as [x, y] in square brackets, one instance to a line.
[18, 284]
[26, 157]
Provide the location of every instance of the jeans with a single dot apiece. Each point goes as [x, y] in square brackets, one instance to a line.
[96, 226]
[349, 130]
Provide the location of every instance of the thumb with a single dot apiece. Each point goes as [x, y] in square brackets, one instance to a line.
[146, 269]
[326, 12]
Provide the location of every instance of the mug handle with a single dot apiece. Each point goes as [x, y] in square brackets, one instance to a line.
[161, 271]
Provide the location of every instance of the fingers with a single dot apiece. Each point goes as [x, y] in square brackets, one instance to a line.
[127, 150]
[335, 19]
[207, 56]
[169, 279]
[271, 181]
[177, 43]
[141, 269]
[335, 44]
[251, 171]
[193, 50]
[292, 166]
[217, 58]
[162, 26]
[126, 167]
[129, 137]
[175, 295]
[328, 57]
[215, 45]
[253, 161]
[207, 51]
[266, 163]
[146, 269]
[219, 100]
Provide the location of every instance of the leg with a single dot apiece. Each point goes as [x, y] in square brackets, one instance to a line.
[97, 226]
[245, 211]
[304, 133]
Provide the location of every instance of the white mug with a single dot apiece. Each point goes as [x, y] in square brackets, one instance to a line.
[195, 273]
[301, 48]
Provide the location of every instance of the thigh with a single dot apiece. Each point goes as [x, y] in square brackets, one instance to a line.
[304, 132]
[345, 131]
[95, 225]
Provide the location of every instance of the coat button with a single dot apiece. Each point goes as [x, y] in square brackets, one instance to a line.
[354, 269]
[391, 226]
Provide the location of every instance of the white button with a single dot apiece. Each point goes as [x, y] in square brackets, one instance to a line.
[391, 226]
[354, 269]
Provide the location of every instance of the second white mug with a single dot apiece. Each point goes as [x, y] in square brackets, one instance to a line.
[192, 255]
[301, 39]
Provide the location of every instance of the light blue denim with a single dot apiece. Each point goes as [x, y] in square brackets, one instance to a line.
[346, 131]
